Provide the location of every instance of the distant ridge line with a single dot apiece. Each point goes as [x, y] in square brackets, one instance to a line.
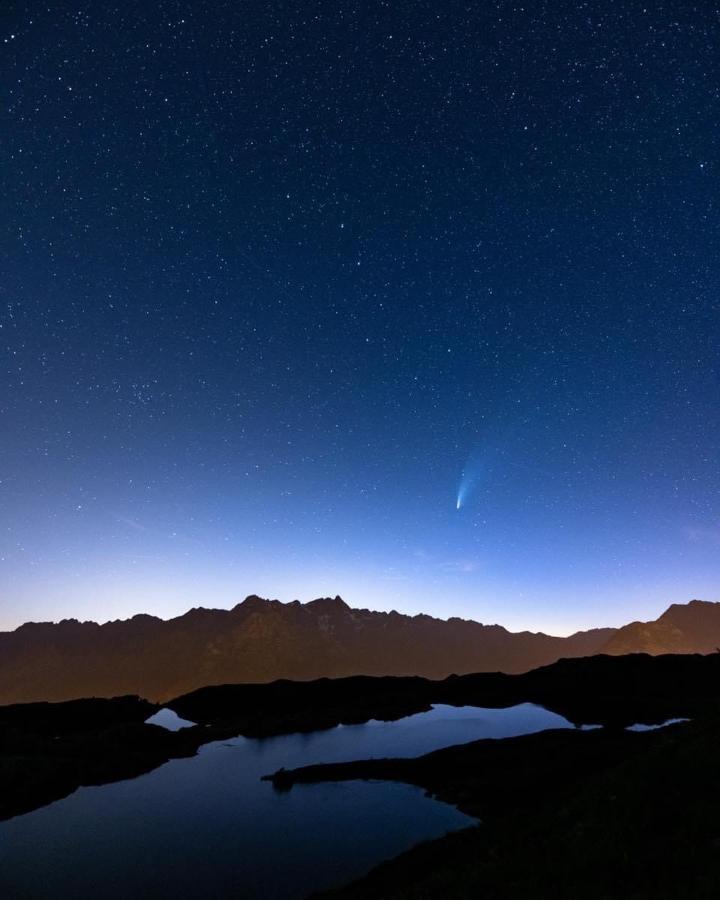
[262, 640]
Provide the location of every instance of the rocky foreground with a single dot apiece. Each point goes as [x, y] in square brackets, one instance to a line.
[47, 750]
[603, 814]
[600, 814]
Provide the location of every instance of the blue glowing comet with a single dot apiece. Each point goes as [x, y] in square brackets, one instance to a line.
[481, 463]
[487, 464]
[468, 480]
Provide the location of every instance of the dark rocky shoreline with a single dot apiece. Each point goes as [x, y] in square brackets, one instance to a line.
[47, 750]
[537, 789]
[597, 814]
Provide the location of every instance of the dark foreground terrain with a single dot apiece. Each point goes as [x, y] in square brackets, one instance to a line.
[592, 813]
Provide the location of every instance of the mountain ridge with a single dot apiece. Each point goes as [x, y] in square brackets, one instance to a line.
[260, 640]
[692, 627]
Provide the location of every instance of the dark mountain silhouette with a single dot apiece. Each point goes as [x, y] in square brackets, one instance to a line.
[683, 628]
[258, 641]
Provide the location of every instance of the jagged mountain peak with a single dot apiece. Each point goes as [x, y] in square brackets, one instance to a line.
[328, 605]
[692, 627]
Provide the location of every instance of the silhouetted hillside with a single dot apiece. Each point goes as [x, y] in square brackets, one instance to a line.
[47, 750]
[683, 628]
[258, 641]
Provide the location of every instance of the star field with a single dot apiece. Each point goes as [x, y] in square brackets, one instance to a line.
[276, 274]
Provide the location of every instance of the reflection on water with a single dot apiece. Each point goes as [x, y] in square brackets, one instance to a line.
[208, 827]
[640, 727]
[169, 719]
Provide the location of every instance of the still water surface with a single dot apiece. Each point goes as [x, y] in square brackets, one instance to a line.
[207, 827]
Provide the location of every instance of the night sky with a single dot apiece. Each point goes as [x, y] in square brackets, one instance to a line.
[283, 284]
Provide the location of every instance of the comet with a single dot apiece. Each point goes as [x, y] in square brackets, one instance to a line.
[488, 461]
[475, 470]
[468, 479]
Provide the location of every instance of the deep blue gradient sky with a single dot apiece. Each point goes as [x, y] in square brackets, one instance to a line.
[275, 275]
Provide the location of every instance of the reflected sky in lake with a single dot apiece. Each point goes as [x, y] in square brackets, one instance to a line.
[208, 827]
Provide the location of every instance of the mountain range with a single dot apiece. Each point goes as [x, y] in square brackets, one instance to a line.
[692, 627]
[263, 640]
